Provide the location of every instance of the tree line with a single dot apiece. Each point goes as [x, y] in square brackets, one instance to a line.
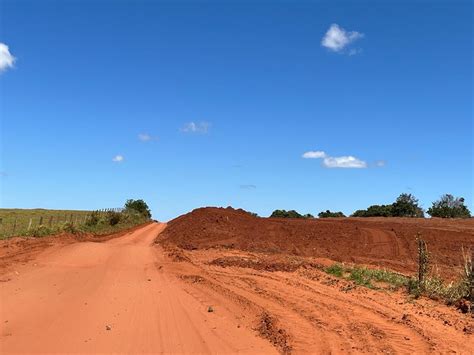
[406, 205]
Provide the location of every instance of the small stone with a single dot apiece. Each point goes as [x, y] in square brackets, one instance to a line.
[210, 309]
[149, 279]
[407, 338]
[108, 327]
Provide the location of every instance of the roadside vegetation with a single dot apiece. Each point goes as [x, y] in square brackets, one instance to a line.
[425, 283]
[42, 222]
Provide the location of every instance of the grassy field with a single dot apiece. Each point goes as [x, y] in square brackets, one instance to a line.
[39, 222]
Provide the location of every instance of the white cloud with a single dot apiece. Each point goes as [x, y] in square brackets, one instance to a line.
[192, 127]
[344, 162]
[6, 58]
[337, 38]
[145, 137]
[380, 163]
[314, 154]
[336, 162]
[118, 158]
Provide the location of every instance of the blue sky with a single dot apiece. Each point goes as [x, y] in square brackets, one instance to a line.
[190, 104]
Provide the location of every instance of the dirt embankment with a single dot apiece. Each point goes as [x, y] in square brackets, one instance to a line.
[386, 242]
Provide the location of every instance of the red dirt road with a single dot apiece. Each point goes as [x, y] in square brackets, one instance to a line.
[112, 297]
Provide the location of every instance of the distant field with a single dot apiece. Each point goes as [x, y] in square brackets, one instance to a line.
[15, 222]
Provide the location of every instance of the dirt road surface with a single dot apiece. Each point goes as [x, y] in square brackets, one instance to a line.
[112, 297]
[142, 293]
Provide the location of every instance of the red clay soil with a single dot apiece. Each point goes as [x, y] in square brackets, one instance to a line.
[110, 298]
[131, 295]
[386, 242]
[23, 249]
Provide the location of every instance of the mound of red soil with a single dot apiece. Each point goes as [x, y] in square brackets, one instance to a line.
[388, 242]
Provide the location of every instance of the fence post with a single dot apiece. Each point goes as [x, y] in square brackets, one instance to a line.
[422, 261]
[29, 224]
[471, 286]
[50, 221]
[14, 227]
[41, 221]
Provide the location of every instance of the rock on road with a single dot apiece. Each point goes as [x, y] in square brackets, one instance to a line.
[111, 297]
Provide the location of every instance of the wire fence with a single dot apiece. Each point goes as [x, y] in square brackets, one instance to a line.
[21, 222]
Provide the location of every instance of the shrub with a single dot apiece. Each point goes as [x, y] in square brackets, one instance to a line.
[285, 214]
[139, 206]
[449, 206]
[289, 214]
[375, 211]
[329, 214]
[406, 205]
[113, 218]
[93, 219]
[40, 231]
[68, 227]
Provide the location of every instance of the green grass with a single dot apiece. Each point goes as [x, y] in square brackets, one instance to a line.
[42, 222]
[366, 277]
[433, 287]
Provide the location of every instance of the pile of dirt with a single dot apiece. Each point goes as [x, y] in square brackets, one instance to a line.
[271, 264]
[386, 242]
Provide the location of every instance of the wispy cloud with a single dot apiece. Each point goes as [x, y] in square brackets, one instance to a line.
[344, 162]
[248, 187]
[337, 39]
[199, 127]
[380, 163]
[6, 58]
[145, 137]
[347, 161]
[118, 158]
[314, 154]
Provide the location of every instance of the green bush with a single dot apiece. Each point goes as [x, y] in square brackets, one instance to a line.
[113, 218]
[93, 219]
[375, 211]
[406, 205]
[329, 214]
[139, 206]
[39, 231]
[68, 227]
[449, 206]
[289, 214]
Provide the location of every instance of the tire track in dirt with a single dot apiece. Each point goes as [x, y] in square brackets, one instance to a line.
[321, 315]
[111, 297]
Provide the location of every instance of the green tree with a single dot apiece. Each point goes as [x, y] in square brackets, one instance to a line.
[329, 214]
[375, 211]
[406, 205]
[139, 206]
[449, 206]
[286, 214]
